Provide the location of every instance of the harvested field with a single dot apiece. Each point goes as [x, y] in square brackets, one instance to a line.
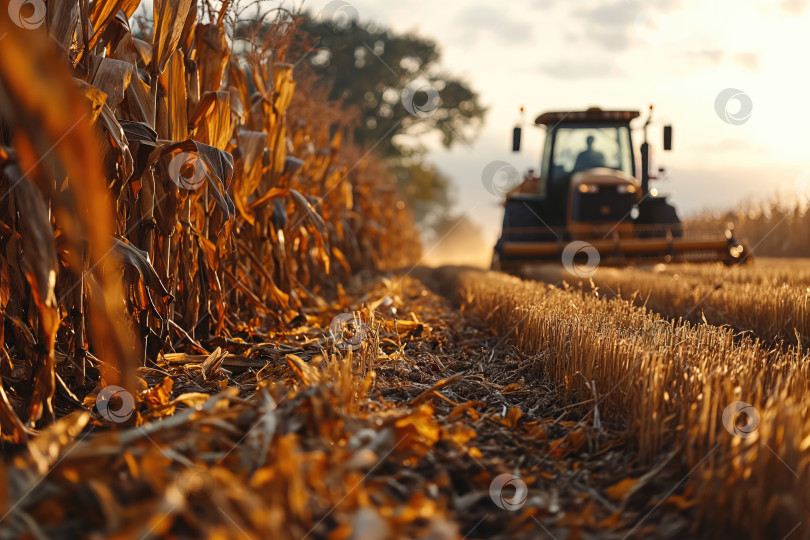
[669, 384]
[770, 300]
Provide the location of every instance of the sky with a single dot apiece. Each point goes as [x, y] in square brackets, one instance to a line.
[681, 55]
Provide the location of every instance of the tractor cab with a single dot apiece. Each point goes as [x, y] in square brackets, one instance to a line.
[589, 180]
[588, 167]
[578, 143]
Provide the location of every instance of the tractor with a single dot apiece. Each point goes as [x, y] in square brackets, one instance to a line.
[591, 191]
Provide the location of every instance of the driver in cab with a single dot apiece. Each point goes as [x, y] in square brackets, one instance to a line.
[589, 158]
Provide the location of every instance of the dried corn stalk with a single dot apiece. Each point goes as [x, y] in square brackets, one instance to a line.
[155, 193]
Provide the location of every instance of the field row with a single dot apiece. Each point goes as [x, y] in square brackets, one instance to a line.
[674, 386]
[758, 299]
[775, 272]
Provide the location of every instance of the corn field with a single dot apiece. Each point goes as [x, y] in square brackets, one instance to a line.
[199, 187]
[772, 229]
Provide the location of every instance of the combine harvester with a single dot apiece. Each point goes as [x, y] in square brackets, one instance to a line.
[591, 192]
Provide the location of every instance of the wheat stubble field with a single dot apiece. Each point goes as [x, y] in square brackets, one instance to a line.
[666, 350]
[215, 324]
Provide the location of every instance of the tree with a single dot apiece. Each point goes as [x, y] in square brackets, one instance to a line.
[394, 81]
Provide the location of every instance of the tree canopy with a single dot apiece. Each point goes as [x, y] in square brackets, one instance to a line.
[396, 84]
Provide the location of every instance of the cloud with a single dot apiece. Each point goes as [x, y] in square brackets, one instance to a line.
[581, 69]
[796, 7]
[713, 55]
[749, 60]
[544, 4]
[611, 25]
[485, 19]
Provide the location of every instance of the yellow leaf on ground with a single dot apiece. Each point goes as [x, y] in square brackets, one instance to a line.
[679, 502]
[618, 490]
[572, 442]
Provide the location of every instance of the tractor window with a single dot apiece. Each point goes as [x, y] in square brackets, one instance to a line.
[578, 148]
